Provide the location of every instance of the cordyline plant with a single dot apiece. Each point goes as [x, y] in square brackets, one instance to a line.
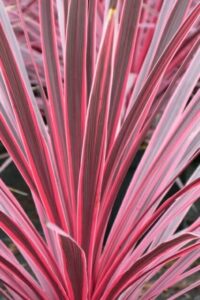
[83, 84]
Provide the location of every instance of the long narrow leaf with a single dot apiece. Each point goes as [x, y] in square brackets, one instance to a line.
[94, 144]
[75, 88]
[122, 62]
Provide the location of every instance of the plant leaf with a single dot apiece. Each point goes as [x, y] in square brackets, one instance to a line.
[75, 88]
[122, 62]
[94, 144]
[74, 265]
